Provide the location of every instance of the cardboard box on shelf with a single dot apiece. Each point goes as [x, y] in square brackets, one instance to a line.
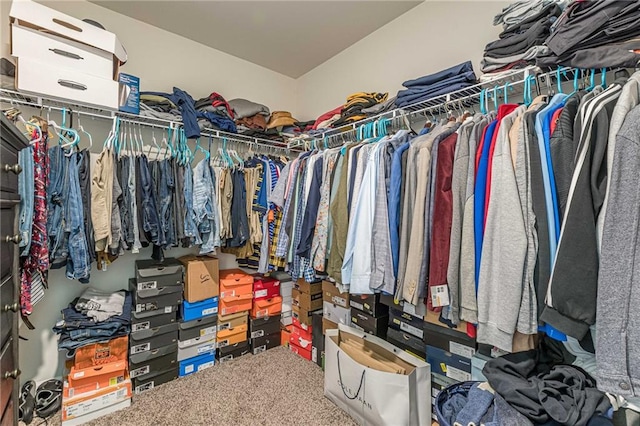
[234, 304]
[309, 288]
[407, 342]
[330, 293]
[201, 280]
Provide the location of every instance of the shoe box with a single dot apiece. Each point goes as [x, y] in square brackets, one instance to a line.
[149, 362]
[233, 320]
[370, 304]
[150, 381]
[300, 339]
[408, 323]
[201, 277]
[265, 287]
[153, 274]
[305, 292]
[153, 338]
[236, 291]
[370, 324]
[336, 314]
[449, 340]
[151, 319]
[227, 353]
[202, 327]
[82, 407]
[155, 300]
[317, 340]
[94, 377]
[266, 307]
[286, 288]
[330, 293]
[406, 342]
[231, 336]
[196, 364]
[448, 364]
[264, 333]
[302, 315]
[196, 310]
[196, 346]
[306, 301]
[303, 351]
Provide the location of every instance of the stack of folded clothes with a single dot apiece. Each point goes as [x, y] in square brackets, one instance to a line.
[95, 316]
[595, 34]
[215, 112]
[157, 106]
[443, 82]
[352, 110]
[251, 118]
[527, 24]
[327, 119]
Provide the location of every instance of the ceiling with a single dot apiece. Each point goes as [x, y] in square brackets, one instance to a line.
[289, 37]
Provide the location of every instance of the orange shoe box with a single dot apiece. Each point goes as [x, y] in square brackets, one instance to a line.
[233, 283]
[83, 380]
[96, 400]
[233, 304]
[266, 307]
[231, 336]
[285, 333]
[101, 353]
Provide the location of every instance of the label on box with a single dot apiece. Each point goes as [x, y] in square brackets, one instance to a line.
[225, 326]
[259, 349]
[209, 311]
[80, 408]
[411, 329]
[188, 369]
[140, 348]
[115, 380]
[337, 300]
[142, 307]
[144, 388]
[462, 350]
[208, 330]
[147, 285]
[440, 295]
[257, 333]
[139, 371]
[226, 358]
[206, 348]
[168, 309]
[260, 293]
[357, 305]
[228, 293]
[140, 326]
[223, 343]
[205, 365]
[457, 374]
[409, 308]
[78, 374]
[262, 313]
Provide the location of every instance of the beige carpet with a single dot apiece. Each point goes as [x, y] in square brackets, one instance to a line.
[276, 387]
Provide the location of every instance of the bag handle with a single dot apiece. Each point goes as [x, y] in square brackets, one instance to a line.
[342, 386]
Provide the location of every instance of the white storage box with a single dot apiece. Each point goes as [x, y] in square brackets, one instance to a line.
[62, 53]
[34, 15]
[195, 347]
[40, 77]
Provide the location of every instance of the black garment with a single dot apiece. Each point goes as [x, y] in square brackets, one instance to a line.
[542, 270]
[543, 393]
[550, 10]
[311, 211]
[612, 55]
[563, 149]
[125, 208]
[520, 43]
[178, 202]
[142, 234]
[239, 219]
[84, 177]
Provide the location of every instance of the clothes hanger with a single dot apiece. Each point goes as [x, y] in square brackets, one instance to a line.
[81, 128]
[506, 88]
[603, 78]
[57, 130]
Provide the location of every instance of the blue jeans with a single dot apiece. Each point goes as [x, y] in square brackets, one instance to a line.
[185, 102]
[151, 222]
[166, 194]
[26, 188]
[190, 228]
[65, 341]
[79, 262]
[57, 193]
[203, 205]
[440, 75]
[106, 329]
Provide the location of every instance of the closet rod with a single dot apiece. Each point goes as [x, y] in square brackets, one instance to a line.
[40, 102]
[439, 102]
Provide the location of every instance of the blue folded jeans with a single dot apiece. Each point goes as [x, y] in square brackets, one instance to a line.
[440, 75]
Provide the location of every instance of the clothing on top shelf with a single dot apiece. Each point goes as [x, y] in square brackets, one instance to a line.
[429, 86]
[243, 108]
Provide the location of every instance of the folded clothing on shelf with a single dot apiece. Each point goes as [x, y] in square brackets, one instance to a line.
[446, 81]
[356, 102]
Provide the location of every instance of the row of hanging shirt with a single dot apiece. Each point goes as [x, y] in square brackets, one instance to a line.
[78, 207]
[493, 219]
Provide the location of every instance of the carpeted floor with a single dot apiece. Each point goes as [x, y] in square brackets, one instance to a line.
[276, 387]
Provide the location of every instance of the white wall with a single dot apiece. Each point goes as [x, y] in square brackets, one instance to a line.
[428, 38]
[163, 60]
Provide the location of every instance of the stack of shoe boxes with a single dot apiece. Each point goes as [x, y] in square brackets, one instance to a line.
[264, 324]
[406, 332]
[450, 352]
[368, 314]
[301, 338]
[198, 324]
[97, 382]
[306, 299]
[153, 342]
[286, 290]
[236, 300]
[337, 306]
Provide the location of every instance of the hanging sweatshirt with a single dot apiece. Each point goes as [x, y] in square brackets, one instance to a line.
[571, 296]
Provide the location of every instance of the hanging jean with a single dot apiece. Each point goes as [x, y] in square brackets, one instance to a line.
[26, 191]
[115, 248]
[178, 202]
[125, 207]
[203, 206]
[239, 220]
[150, 221]
[190, 229]
[79, 263]
[166, 194]
[135, 224]
[57, 194]
[84, 177]
[142, 234]
[154, 170]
